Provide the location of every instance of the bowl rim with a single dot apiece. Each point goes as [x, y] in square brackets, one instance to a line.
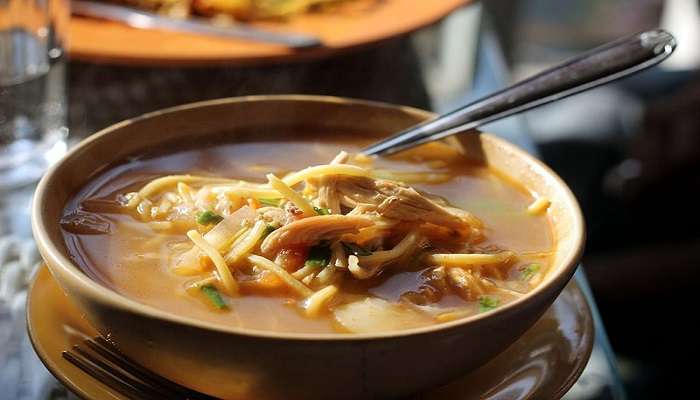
[106, 295]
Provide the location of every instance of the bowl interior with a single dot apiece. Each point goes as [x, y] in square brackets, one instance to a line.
[251, 118]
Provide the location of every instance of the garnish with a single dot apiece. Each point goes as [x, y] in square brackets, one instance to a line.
[487, 303]
[356, 249]
[270, 202]
[214, 296]
[322, 211]
[319, 256]
[208, 217]
[268, 230]
[529, 271]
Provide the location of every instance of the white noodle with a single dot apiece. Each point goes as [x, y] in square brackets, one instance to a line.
[268, 265]
[321, 170]
[289, 193]
[305, 271]
[157, 185]
[246, 244]
[314, 303]
[224, 273]
[325, 277]
[539, 206]
[463, 260]
[410, 177]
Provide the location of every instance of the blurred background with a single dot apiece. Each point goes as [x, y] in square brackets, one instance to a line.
[630, 151]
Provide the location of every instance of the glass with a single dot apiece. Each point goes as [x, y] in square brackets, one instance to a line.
[32, 88]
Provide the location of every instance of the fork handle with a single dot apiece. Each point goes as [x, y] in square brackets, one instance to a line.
[596, 67]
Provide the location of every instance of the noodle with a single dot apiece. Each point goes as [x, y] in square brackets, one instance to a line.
[289, 193]
[314, 303]
[245, 189]
[325, 277]
[539, 206]
[410, 177]
[224, 273]
[308, 278]
[464, 260]
[246, 243]
[268, 265]
[210, 280]
[305, 271]
[159, 184]
[322, 170]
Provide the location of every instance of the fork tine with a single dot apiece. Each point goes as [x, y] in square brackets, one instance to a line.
[144, 387]
[128, 368]
[105, 377]
[107, 350]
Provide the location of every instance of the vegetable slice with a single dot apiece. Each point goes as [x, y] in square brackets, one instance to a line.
[214, 296]
[377, 315]
[208, 218]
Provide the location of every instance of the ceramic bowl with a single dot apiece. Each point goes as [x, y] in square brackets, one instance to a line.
[230, 362]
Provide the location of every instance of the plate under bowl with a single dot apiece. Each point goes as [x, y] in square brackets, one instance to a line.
[543, 364]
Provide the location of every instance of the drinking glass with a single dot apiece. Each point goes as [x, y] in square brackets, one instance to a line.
[32, 88]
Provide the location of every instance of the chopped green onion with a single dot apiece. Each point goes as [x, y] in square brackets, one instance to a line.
[270, 202]
[213, 295]
[319, 256]
[487, 303]
[208, 217]
[268, 230]
[529, 271]
[356, 249]
[322, 211]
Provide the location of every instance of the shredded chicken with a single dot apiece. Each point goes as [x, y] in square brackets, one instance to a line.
[468, 285]
[309, 231]
[365, 267]
[395, 201]
[327, 194]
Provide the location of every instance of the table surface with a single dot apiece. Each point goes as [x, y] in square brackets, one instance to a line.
[101, 95]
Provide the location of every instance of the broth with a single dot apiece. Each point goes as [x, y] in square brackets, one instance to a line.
[132, 258]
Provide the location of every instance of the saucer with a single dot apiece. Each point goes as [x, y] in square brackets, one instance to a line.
[544, 363]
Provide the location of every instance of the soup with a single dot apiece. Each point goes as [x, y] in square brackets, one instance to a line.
[304, 236]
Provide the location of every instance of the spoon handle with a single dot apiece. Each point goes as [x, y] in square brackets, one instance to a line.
[596, 67]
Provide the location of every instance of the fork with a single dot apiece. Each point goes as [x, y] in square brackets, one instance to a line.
[100, 359]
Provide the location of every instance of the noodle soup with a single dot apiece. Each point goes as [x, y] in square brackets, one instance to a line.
[304, 236]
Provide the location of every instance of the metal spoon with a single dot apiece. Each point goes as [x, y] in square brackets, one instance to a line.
[596, 67]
